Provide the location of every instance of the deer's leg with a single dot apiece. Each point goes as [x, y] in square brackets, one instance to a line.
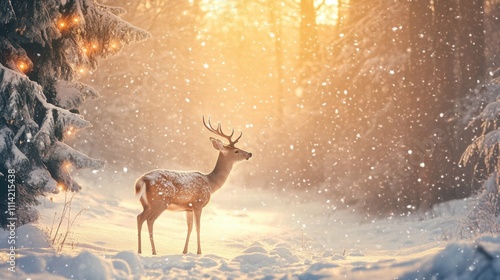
[140, 220]
[189, 219]
[197, 216]
[151, 220]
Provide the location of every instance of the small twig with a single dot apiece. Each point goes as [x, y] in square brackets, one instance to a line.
[71, 225]
[63, 214]
[69, 210]
[52, 227]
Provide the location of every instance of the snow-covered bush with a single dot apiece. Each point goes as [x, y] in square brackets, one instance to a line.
[44, 46]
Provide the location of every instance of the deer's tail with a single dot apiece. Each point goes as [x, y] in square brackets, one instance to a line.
[140, 188]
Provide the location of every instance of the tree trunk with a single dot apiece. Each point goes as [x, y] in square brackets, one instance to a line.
[308, 39]
[275, 20]
[472, 57]
[421, 97]
[444, 42]
[444, 162]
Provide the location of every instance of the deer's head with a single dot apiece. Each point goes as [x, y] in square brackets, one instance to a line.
[230, 152]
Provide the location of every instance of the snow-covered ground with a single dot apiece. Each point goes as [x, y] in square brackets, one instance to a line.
[248, 234]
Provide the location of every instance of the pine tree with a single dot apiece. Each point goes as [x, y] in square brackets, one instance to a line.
[484, 151]
[44, 45]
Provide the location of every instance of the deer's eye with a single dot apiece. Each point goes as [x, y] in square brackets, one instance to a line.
[236, 151]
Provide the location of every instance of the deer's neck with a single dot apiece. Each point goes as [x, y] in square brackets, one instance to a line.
[220, 173]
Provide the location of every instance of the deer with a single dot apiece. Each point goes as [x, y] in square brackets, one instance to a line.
[162, 189]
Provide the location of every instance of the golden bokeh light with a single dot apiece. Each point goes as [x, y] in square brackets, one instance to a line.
[61, 24]
[71, 130]
[68, 166]
[22, 66]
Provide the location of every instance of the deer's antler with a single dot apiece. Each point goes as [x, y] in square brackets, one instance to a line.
[219, 132]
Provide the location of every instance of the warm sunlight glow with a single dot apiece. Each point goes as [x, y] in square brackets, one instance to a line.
[327, 10]
[214, 7]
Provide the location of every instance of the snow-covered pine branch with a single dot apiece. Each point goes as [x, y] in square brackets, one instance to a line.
[72, 94]
[23, 101]
[100, 31]
[6, 11]
[61, 158]
[485, 216]
[114, 10]
[39, 27]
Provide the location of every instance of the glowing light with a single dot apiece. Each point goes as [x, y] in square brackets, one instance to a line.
[113, 45]
[68, 166]
[22, 66]
[68, 22]
[70, 131]
[61, 187]
[89, 48]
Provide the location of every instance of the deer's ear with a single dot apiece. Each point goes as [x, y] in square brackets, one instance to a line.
[218, 145]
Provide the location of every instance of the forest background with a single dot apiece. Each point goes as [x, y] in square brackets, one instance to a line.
[367, 102]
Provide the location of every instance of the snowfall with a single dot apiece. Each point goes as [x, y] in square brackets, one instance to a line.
[247, 233]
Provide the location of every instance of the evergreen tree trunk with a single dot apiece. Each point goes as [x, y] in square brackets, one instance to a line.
[433, 91]
[308, 36]
[444, 41]
[421, 81]
[275, 21]
[444, 161]
[472, 56]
